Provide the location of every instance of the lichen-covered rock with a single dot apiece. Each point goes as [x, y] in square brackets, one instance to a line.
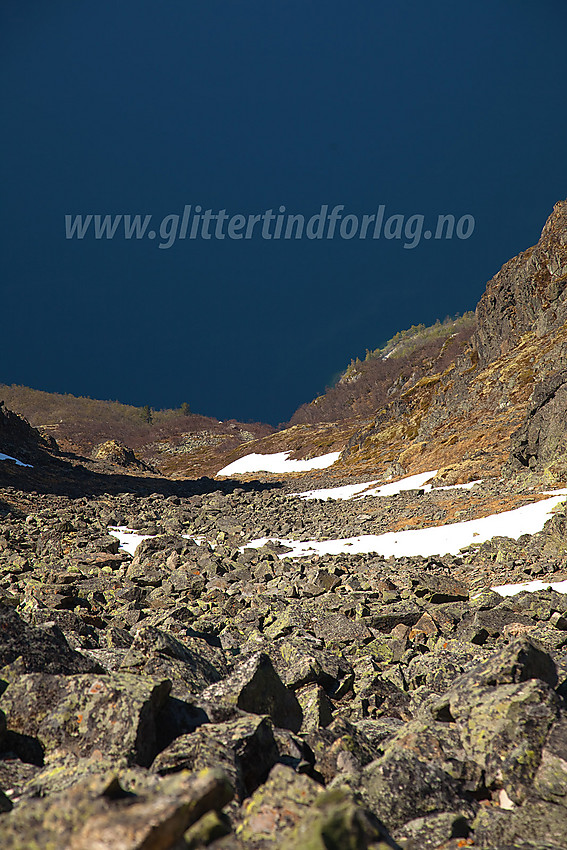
[439, 589]
[375, 694]
[38, 650]
[65, 770]
[278, 805]
[433, 831]
[155, 652]
[532, 826]
[503, 730]
[341, 749]
[400, 787]
[316, 707]
[336, 822]
[299, 663]
[208, 828]
[550, 782]
[480, 626]
[97, 813]
[518, 661]
[255, 687]
[116, 713]
[438, 670]
[338, 630]
[245, 748]
[438, 743]
[406, 612]
[154, 551]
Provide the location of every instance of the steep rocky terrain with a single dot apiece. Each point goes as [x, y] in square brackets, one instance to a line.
[182, 667]
[467, 398]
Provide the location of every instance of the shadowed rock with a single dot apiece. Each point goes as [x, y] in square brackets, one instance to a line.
[38, 649]
[245, 748]
[115, 714]
[256, 687]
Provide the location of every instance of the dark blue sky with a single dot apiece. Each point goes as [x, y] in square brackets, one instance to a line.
[144, 106]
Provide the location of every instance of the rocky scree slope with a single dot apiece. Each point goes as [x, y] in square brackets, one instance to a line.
[202, 694]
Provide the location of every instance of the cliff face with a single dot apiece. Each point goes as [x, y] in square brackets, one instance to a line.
[527, 301]
[526, 294]
[503, 403]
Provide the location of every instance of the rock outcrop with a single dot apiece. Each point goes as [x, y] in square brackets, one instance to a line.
[527, 293]
[541, 442]
[20, 440]
[113, 451]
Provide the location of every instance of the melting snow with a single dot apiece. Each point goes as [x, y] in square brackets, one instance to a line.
[359, 491]
[412, 482]
[278, 462]
[129, 540]
[346, 492]
[531, 587]
[15, 459]
[437, 540]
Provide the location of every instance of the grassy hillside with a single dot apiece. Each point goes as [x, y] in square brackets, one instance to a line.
[79, 423]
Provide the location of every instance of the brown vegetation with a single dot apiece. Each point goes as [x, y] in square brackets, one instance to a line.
[79, 424]
[369, 385]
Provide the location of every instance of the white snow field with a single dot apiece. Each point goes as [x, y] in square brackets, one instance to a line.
[15, 459]
[278, 462]
[437, 540]
[359, 491]
[531, 587]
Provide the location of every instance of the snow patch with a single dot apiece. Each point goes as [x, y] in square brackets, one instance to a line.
[278, 462]
[437, 540]
[360, 490]
[129, 539]
[346, 492]
[15, 459]
[531, 587]
[412, 482]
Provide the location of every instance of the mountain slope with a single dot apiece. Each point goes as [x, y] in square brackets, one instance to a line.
[366, 386]
[160, 438]
[250, 665]
[466, 404]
